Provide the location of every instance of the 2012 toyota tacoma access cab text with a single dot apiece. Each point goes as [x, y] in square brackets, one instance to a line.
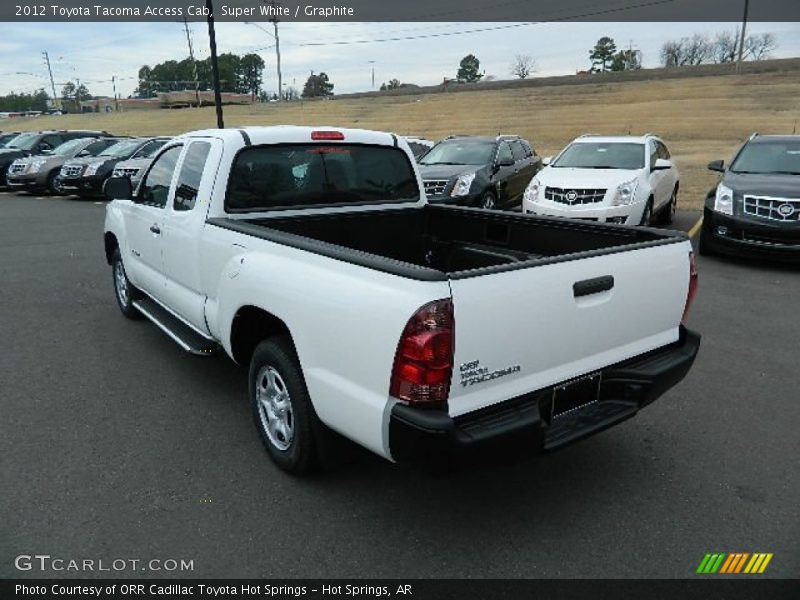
[418, 331]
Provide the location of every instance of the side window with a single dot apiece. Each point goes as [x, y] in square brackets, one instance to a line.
[518, 150]
[662, 151]
[148, 149]
[190, 175]
[50, 141]
[504, 153]
[95, 148]
[651, 146]
[155, 188]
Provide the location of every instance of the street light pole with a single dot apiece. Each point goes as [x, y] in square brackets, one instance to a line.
[212, 42]
[372, 62]
[50, 71]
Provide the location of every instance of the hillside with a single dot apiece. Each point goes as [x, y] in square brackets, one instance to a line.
[700, 118]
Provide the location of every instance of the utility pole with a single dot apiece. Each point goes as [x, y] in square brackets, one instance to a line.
[114, 85]
[372, 62]
[50, 71]
[212, 42]
[741, 37]
[194, 64]
[274, 19]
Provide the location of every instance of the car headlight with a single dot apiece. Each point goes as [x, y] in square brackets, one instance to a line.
[463, 183]
[532, 191]
[626, 193]
[723, 201]
[92, 168]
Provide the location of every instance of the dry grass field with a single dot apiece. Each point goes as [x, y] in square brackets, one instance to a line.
[700, 118]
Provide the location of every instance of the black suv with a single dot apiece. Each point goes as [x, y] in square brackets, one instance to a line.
[38, 142]
[755, 209]
[490, 172]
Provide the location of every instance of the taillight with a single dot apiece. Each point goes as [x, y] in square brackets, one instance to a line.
[327, 135]
[692, 286]
[423, 363]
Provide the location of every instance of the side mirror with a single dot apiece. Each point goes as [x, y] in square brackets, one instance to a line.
[83, 153]
[717, 165]
[505, 162]
[547, 160]
[45, 150]
[662, 164]
[118, 188]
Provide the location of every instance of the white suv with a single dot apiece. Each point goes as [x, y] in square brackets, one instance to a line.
[619, 179]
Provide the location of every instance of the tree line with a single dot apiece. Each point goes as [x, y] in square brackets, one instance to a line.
[237, 74]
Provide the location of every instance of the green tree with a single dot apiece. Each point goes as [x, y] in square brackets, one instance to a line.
[317, 86]
[14, 102]
[602, 54]
[392, 84]
[251, 74]
[469, 70]
[627, 60]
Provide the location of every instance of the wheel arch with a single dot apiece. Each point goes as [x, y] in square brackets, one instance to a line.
[250, 326]
[111, 244]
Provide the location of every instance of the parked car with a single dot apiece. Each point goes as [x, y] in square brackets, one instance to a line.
[134, 167]
[614, 179]
[419, 145]
[38, 142]
[39, 173]
[755, 208]
[312, 256]
[6, 137]
[489, 172]
[85, 176]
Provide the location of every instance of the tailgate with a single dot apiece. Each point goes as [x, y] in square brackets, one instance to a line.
[523, 330]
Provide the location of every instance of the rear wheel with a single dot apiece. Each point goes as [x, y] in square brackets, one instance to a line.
[703, 245]
[488, 201]
[282, 406]
[671, 208]
[647, 215]
[124, 291]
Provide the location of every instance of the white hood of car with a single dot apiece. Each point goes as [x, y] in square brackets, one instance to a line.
[569, 178]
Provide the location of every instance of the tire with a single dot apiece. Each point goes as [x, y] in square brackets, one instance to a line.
[671, 208]
[53, 187]
[703, 245]
[282, 409]
[489, 201]
[647, 215]
[124, 291]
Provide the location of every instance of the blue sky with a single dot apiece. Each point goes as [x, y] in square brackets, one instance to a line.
[93, 52]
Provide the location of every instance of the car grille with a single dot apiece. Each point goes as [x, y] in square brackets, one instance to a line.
[777, 209]
[435, 187]
[574, 196]
[71, 171]
[18, 168]
[125, 172]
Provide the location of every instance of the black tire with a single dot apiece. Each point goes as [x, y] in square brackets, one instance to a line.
[53, 188]
[488, 201]
[276, 384]
[126, 296]
[647, 215]
[671, 208]
[703, 245]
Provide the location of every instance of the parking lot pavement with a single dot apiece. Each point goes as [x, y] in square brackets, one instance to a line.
[116, 444]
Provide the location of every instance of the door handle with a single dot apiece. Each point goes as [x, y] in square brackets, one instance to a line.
[592, 286]
[155, 229]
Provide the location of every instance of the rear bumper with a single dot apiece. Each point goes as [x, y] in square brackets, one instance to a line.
[751, 237]
[523, 425]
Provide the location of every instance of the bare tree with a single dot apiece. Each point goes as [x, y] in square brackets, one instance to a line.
[725, 46]
[672, 53]
[696, 50]
[759, 46]
[523, 66]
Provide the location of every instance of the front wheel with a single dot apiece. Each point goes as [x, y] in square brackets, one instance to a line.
[54, 184]
[282, 406]
[672, 208]
[124, 291]
[703, 245]
[647, 215]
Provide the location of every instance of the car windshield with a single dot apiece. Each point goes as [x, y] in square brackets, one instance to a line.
[766, 158]
[24, 141]
[5, 139]
[602, 155]
[300, 175]
[70, 148]
[460, 152]
[121, 149]
[149, 151]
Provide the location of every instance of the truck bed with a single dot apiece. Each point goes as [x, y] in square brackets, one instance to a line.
[445, 242]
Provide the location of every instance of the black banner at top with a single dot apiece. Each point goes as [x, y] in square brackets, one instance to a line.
[403, 10]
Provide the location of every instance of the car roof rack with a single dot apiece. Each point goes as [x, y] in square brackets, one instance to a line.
[753, 135]
[583, 135]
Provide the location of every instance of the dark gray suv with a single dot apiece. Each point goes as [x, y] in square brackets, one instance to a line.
[755, 208]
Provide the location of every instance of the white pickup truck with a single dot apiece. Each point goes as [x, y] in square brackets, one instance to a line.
[421, 332]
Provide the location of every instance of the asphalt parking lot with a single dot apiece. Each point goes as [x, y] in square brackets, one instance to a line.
[116, 444]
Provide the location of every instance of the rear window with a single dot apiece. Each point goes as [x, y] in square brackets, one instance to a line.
[304, 175]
